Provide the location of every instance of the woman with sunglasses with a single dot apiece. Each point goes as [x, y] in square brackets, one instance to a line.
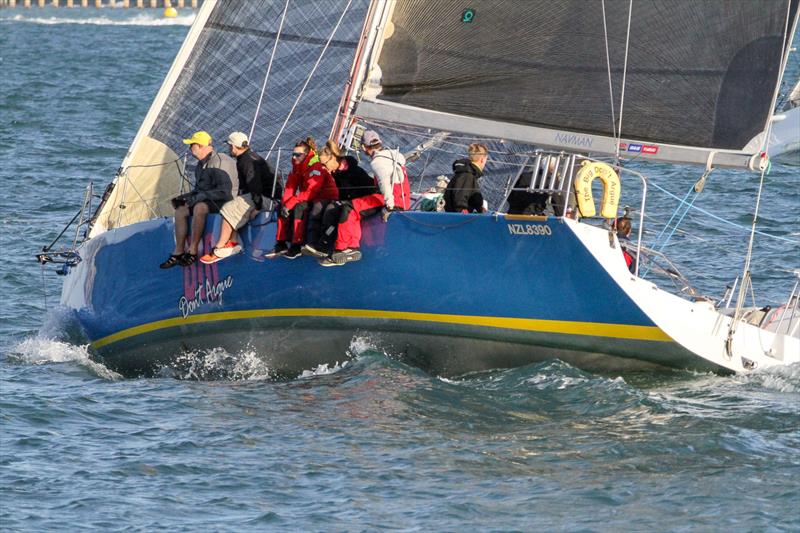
[308, 182]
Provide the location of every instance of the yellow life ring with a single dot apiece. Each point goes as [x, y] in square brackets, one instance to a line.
[583, 189]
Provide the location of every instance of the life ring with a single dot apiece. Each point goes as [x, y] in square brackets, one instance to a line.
[583, 189]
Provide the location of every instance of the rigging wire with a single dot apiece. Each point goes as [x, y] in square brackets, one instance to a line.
[764, 167]
[720, 219]
[624, 76]
[311, 74]
[608, 67]
[266, 76]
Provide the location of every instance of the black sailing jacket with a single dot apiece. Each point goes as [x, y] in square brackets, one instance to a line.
[256, 177]
[463, 192]
[354, 181]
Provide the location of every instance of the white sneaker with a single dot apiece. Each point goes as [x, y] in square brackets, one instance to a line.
[227, 251]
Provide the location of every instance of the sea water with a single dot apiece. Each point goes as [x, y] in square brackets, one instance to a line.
[217, 444]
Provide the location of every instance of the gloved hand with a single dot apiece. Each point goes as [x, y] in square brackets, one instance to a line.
[284, 212]
[385, 214]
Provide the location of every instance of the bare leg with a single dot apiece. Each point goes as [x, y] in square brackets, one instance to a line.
[226, 233]
[181, 228]
[199, 213]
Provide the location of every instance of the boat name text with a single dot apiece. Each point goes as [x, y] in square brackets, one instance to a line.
[207, 292]
[529, 229]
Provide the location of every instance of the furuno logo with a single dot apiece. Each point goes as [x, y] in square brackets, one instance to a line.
[574, 139]
[649, 149]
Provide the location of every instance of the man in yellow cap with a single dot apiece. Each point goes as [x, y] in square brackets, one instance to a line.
[216, 182]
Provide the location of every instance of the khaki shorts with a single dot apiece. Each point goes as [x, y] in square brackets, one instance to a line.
[237, 211]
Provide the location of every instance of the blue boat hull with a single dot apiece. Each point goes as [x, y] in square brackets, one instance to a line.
[451, 293]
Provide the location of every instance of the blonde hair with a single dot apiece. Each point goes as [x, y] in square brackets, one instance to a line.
[476, 151]
[331, 149]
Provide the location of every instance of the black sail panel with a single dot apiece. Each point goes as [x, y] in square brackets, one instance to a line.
[699, 73]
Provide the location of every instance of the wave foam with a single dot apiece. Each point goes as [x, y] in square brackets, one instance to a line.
[218, 364]
[40, 351]
[141, 19]
[779, 378]
[360, 344]
[323, 370]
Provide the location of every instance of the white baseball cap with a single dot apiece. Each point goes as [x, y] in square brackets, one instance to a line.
[370, 138]
[238, 139]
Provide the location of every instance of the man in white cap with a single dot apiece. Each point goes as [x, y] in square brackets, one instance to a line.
[216, 182]
[388, 166]
[256, 182]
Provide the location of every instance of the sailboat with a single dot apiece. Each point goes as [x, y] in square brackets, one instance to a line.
[572, 91]
[784, 142]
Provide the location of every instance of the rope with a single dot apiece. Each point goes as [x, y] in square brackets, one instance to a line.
[154, 164]
[435, 226]
[311, 74]
[266, 76]
[720, 219]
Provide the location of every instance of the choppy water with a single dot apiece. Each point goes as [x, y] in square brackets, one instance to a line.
[215, 444]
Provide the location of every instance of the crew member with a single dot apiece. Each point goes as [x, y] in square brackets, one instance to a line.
[216, 182]
[463, 195]
[308, 182]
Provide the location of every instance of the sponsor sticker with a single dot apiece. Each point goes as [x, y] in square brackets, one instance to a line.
[639, 148]
[649, 149]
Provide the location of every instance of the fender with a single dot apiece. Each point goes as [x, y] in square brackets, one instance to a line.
[583, 189]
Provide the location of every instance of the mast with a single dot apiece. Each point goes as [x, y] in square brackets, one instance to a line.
[365, 56]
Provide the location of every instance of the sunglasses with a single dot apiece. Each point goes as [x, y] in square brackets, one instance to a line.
[298, 154]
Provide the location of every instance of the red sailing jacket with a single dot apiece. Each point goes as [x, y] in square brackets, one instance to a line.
[309, 181]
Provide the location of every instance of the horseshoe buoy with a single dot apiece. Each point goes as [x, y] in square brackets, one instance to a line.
[583, 189]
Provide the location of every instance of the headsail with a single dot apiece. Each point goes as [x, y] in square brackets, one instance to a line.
[215, 84]
[700, 77]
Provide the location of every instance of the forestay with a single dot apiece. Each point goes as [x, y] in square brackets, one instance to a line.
[701, 77]
[215, 84]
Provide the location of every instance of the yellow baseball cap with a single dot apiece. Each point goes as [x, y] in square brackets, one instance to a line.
[199, 137]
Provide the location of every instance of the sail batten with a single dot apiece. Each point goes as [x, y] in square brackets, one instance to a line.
[699, 78]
